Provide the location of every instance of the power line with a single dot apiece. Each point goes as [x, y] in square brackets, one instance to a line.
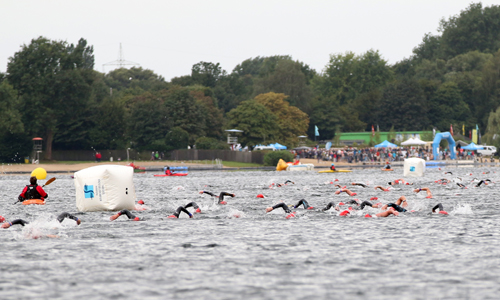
[120, 62]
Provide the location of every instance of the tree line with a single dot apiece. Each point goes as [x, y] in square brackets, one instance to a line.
[51, 90]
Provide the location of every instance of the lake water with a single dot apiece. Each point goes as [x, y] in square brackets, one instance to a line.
[215, 255]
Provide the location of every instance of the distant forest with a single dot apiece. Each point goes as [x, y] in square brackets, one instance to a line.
[51, 90]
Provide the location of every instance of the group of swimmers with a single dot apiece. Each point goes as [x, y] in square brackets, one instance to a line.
[33, 191]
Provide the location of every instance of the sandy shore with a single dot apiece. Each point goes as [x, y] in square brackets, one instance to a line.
[6, 169]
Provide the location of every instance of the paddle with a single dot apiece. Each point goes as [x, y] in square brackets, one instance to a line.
[46, 183]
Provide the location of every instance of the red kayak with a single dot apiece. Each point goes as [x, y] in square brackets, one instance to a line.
[175, 174]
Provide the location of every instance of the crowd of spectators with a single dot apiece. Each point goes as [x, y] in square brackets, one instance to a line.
[354, 155]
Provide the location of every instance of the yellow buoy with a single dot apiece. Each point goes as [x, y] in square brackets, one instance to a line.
[39, 173]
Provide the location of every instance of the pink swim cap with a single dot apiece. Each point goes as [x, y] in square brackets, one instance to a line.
[260, 196]
[2, 219]
[140, 202]
[368, 216]
[344, 213]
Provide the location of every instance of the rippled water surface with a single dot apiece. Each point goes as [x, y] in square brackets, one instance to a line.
[216, 255]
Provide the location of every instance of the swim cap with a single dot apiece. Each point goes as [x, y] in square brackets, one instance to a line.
[172, 217]
[260, 196]
[291, 215]
[344, 213]
[223, 203]
[429, 197]
[310, 207]
[443, 212]
[341, 203]
[140, 202]
[373, 198]
[2, 219]
[136, 219]
[336, 179]
[353, 194]
[198, 210]
[368, 216]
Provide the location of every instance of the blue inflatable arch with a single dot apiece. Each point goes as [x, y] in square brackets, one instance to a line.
[437, 140]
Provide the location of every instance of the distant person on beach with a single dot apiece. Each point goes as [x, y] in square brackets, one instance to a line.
[220, 197]
[33, 191]
[98, 157]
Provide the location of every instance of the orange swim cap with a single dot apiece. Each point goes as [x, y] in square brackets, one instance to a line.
[344, 213]
[140, 202]
[260, 196]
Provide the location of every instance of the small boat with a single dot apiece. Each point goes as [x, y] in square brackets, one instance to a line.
[336, 171]
[33, 201]
[387, 169]
[175, 174]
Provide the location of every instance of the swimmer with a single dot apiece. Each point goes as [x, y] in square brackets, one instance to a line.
[221, 196]
[461, 185]
[126, 212]
[60, 218]
[387, 189]
[426, 189]
[483, 181]
[344, 190]
[399, 181]
[193, 205]
[282, 205]
[359, 184]
[383, 214]
[303, 202]
[398, 206]
[337, 207]
[451, 173]
[180, 209]
[286, 183]
[441, 209]
[443, 181]
[140, 205]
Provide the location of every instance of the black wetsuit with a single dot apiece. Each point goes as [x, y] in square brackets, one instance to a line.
[328, 206]
[360, 184]
[19, 221]
[182, 209]
[460, 185]
[221, 195]
[481, 182]
[396, 207]
[284, 206]
[192, 204]
[439, 205]
[64, 215]
[365, 203]
[128, 213]
[302, 202]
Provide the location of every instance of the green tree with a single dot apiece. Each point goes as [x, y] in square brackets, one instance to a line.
[403, 106]
[257, 122]
[447, 106]
[54, 80]
[206, 73]
[292, 122]
[492, 136]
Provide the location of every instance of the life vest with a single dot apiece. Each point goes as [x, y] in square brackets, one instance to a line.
[32, 193]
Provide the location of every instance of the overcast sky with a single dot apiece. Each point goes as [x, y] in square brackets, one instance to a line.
[169, 37]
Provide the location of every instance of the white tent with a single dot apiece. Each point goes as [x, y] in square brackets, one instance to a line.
[408, 142]
[414, 142]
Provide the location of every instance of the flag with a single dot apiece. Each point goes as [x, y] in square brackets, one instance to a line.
[451, 129]
[463, 129]
[373, 131]
[474, 136]
[316, 132]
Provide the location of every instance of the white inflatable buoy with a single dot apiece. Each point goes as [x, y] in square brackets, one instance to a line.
[414, 167]
[106, 187]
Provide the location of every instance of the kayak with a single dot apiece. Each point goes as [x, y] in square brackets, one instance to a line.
[387, 169]
[33, 201]
[175, 174]
[336, 171]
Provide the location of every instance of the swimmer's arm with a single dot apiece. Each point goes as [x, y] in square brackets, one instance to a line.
[209, 193]
[15, 222]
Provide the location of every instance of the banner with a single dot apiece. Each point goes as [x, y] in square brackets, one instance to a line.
[451, 130]
[316, 131]
[474, 136]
